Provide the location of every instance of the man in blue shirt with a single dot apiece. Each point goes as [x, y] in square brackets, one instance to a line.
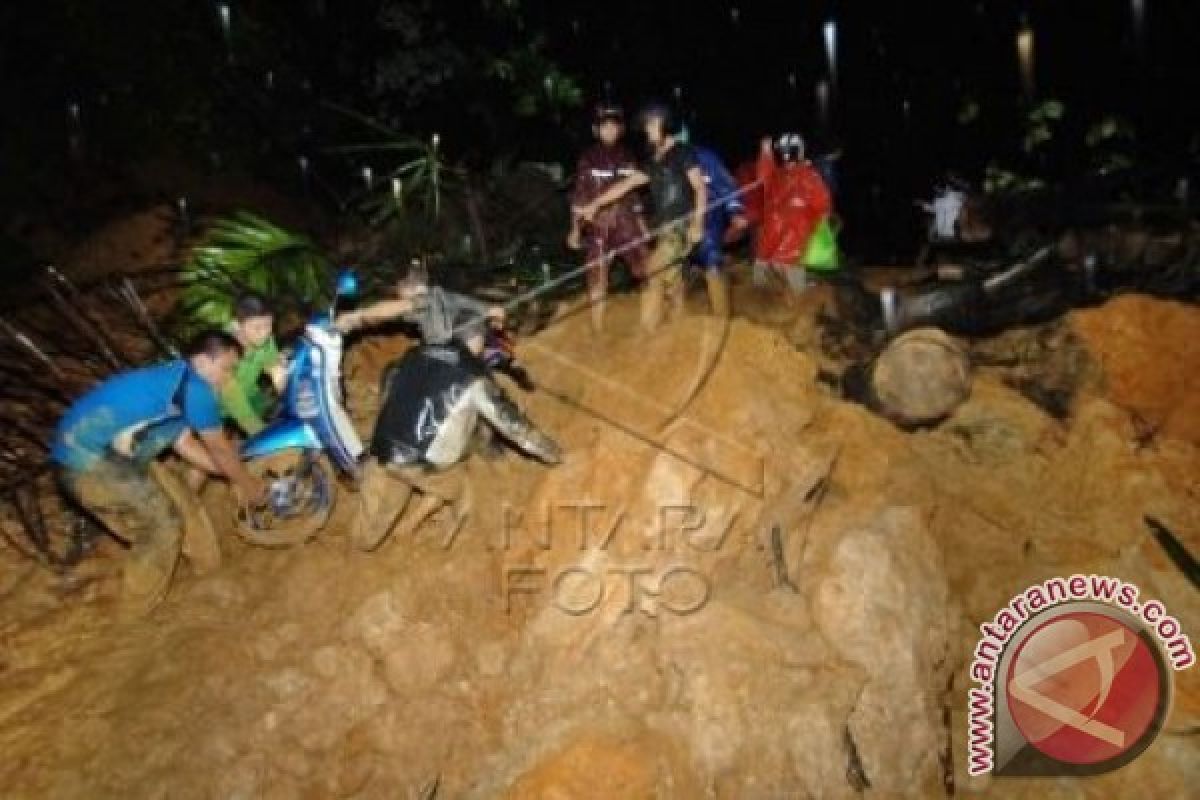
[724, 219]
[107, 440]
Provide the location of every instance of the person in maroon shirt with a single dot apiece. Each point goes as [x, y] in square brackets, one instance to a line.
[617, 230]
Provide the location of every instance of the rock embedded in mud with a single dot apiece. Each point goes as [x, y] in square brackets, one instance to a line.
[414, 654]
[419, 659]
[410, 669]
[883, 604]
[921, 377]
[288, 683]
[350, 693]
[376, 622]
[269, 645]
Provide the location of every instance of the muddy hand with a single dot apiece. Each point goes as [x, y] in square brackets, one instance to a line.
[253, 493]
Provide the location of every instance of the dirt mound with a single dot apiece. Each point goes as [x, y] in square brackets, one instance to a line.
[736, 585]
[1149, 350]
[134, 242]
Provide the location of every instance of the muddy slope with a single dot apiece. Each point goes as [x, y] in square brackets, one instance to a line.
[808, 583]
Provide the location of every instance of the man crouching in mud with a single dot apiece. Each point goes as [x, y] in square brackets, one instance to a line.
[107, 442]
[433, 399]
[433, 309]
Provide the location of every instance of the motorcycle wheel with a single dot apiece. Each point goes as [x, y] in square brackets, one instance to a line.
[302, 496]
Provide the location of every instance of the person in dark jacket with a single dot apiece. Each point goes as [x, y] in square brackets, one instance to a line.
[616, 231]
[434, 397]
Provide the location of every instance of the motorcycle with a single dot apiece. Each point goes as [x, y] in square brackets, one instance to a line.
[292, 454]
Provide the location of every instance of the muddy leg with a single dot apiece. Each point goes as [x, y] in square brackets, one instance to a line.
[127, 501]
[797, 279]
[651, 300]
[201, 546]
[381, 500]
[658, 276]
[437, 490]
[760, 275]
[674, 290]
[597, 279]
[718, 293]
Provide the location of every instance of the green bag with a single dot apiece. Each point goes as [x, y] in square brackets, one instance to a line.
[821, 255]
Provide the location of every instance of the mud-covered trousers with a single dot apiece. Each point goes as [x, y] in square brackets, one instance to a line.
[385, 495]
[124, 497]
[615, 233]
[663, 290]
[709, 255]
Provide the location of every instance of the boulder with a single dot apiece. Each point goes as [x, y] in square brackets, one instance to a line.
[921, 377]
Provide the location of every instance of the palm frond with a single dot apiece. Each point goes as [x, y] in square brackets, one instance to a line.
[245, 252]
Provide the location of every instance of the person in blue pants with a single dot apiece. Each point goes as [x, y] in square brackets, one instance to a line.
[724, 220]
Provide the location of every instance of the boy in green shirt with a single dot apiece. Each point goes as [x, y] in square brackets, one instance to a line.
[243, 399]
[430, 308]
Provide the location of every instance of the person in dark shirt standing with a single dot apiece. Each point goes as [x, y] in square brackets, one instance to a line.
[617, 230]
[679, 198]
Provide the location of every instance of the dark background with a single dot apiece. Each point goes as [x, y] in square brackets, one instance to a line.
[152, 77]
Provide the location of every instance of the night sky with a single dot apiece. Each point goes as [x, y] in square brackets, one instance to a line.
[934, 54]
[904, 71]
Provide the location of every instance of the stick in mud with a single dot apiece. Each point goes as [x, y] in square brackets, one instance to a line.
[779, 562]
[27, 343]
[1175, 550]
[128, 294]
[77, 316]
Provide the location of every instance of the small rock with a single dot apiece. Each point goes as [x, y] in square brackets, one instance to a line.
[491, 658]
[288, 683]
[425, 656]
[376, 623]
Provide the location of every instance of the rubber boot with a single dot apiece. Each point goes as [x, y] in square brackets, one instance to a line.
[797, 279]
[381, 501]
[596, 307]
[760, 275]
[718, 293]
[437, 489]
[201, 547]
[651, 300]
[150, 567]
[675, 291]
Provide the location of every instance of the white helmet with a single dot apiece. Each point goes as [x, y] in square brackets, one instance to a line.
[790, 147]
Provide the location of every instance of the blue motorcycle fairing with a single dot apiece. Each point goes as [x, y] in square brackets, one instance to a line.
[347, 284]
[283, 434]
[312, 416]
[314, 396]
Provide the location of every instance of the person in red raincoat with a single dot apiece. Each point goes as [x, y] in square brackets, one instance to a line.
[615, 231]
[795, 200]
